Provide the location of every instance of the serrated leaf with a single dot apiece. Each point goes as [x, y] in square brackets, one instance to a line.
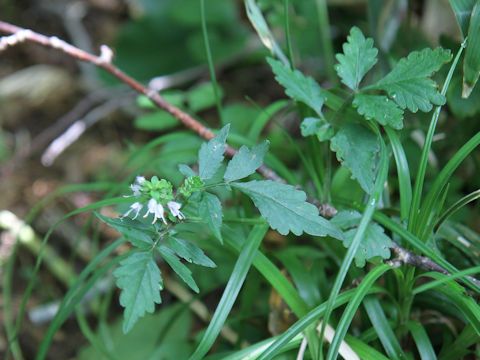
[210, 156]
[356, 149]
[471, 62]
[141, 281]
[409, 83]
[298, 86]
[210, 210]
[380, 108]
[374, 243]
[357, 59]
[315, 126]
[245, 162]
[139, 234]
[180, 269]
[286, 210]
[190, 252]
[186, 170]
[346, 219]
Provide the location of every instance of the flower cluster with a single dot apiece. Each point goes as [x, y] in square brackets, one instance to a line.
[154, 195]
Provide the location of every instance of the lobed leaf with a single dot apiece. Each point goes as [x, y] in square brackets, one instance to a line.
[245, 162]
[409, 83]
[140, 280]
[357, 59]
[356, 149]
[210, 156]
[286, 210]
[174, 262]
[375, 242]
[316, 126]
[210, 210]
[298, 86]
[190, 252]
[379, 108]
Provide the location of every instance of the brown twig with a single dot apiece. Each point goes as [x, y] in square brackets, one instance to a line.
[407, 257]
[104, 61]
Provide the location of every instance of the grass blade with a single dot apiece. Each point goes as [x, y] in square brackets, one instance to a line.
[420, 336]
[385, 333]
[232, 289]
[352, 308]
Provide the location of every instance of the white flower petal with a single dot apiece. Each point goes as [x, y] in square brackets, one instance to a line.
[136, 206]
[174, 208]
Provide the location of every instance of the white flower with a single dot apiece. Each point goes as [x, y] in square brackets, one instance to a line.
[136, 206]
[174, 208]
[137, 185]
[157, 210]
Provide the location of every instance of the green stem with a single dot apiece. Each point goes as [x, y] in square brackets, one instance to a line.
[287, 36]
[322, 11]
[210, 61]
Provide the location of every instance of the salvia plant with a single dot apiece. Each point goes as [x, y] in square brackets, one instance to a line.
[391, 252]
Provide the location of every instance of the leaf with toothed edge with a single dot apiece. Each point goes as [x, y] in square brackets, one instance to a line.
[286, 209]
[210, 156]
[140, 280]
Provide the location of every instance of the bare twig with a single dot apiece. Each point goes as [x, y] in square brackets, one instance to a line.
[407, 257]
[104, 61]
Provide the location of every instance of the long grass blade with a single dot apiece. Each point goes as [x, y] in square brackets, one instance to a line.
[232, 289]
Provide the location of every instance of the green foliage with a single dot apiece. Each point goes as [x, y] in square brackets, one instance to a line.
[286, 209]
[245, 162]
[375, 244]
[357, 59]
[209, 207]
[210, 210]
[140, 280]
[408, 83]
[298, 86]
[379, 108]
[356, 148]
[471, 63]
[210, 156]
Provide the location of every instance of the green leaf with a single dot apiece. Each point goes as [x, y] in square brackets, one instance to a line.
[245, 162]
[462, 10]
[358, 57]
[380, 108]
[157, 121]
[190, 252]
[210, 156]
[298, 86]
[316, 126]
[140, 280]
[174, 262]
[286, 210]
[186, 170]
[471, 63]
[409, 83]
[139, 234]
[261, 27]
[356, 149]
[210, 210]
[462, 108]
[202, 97]
[375, 242]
